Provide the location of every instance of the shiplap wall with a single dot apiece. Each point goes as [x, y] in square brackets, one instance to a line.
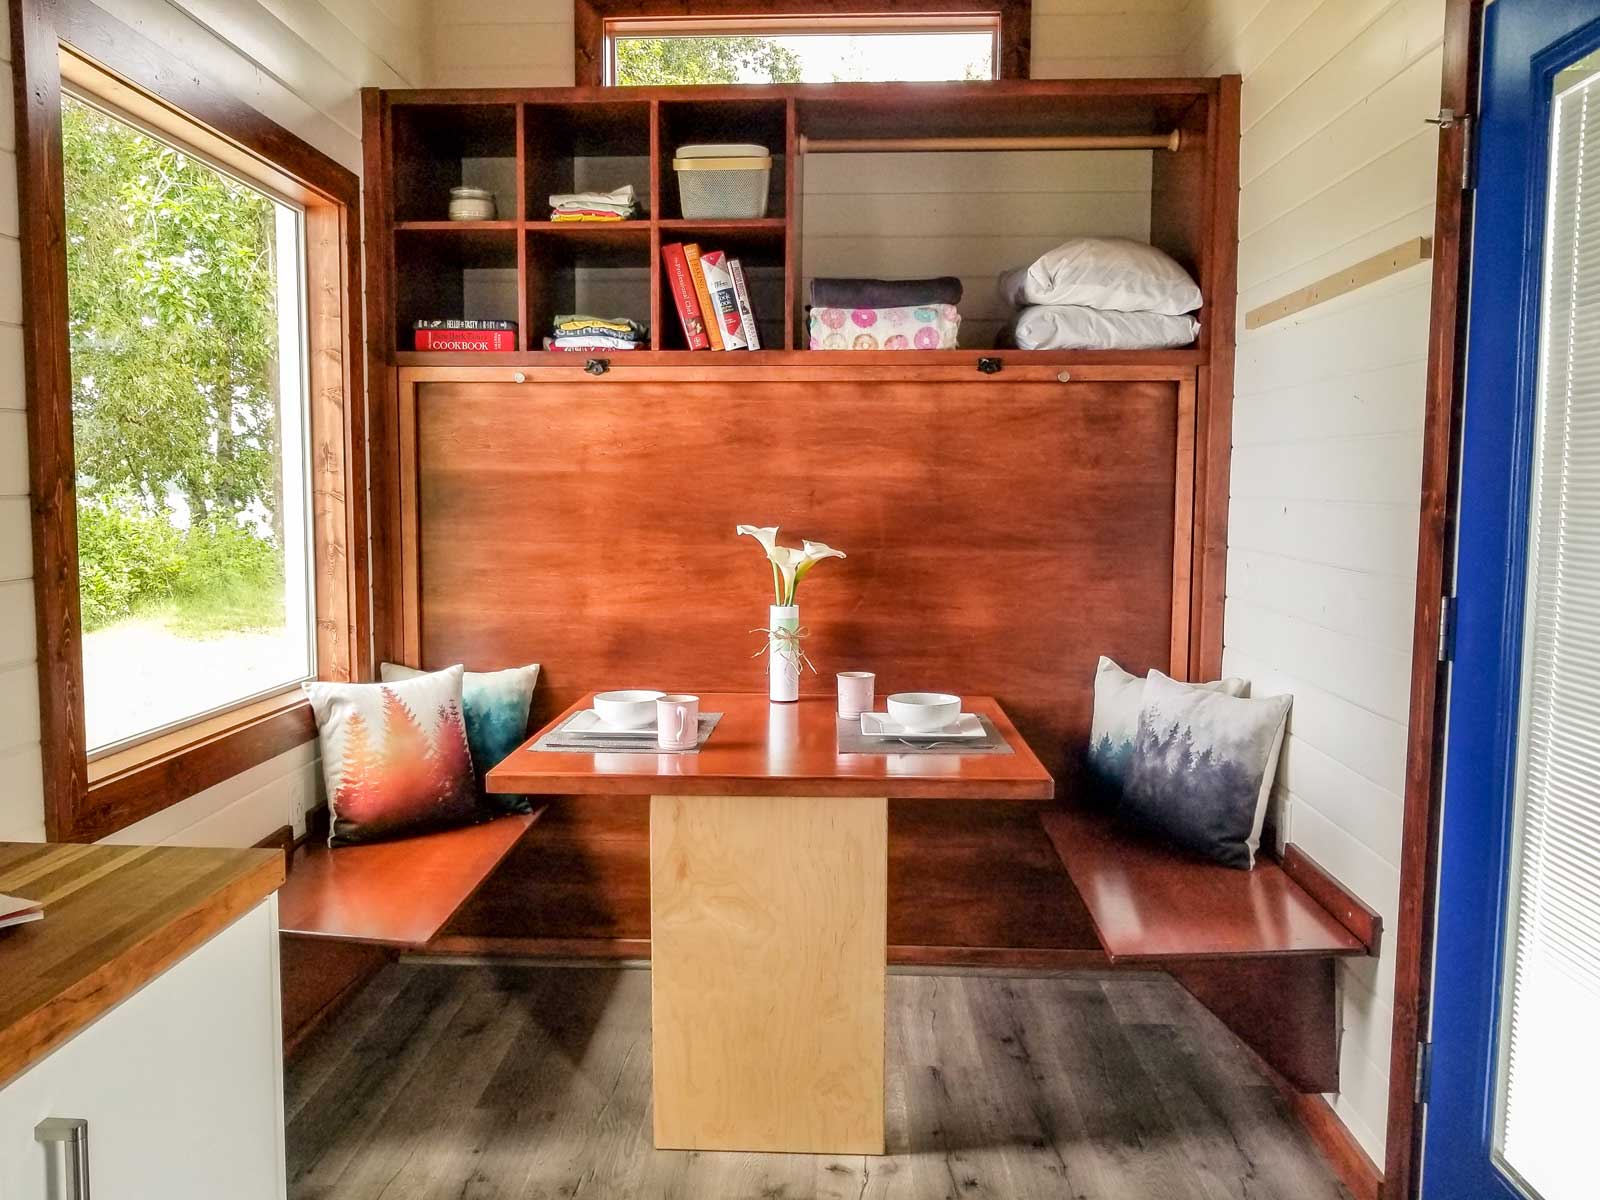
[301, 63]
[1335, 165]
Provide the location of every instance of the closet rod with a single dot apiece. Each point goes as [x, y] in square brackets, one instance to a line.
[1110, 141]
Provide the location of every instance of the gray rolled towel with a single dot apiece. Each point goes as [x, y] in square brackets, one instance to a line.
[884, 293]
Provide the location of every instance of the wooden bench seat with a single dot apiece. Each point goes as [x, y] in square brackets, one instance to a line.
[344, 913]
[1256, 947]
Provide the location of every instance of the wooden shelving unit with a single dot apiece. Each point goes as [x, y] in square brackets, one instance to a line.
[524, 144]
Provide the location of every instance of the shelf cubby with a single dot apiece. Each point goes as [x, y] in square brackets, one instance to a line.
[599, 269]
[759, 247]
[441, 146]
[453, 269]
[684, 123]
[593, 146]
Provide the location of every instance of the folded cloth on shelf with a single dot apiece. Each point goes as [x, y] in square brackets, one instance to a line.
[1074, 327]
[585, 214]
[584, 325]
[592, 342]
[884, 293]
[619, 202]
[911, 327]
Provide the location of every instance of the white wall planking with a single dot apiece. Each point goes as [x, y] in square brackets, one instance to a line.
[1335, 165]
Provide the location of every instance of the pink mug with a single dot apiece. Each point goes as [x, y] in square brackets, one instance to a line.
[855, 693]
[678, 722]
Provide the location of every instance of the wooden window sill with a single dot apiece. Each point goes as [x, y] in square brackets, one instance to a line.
[133, 783]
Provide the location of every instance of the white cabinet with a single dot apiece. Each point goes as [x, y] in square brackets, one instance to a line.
[181, 1083]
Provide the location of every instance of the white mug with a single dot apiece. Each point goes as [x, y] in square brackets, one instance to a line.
[678, 722]
[855, 693]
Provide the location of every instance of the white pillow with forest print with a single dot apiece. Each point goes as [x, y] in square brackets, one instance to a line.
[1117, 696]
[394, 756]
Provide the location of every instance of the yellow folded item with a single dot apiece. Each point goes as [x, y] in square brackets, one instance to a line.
[585, 217]
[595, 323]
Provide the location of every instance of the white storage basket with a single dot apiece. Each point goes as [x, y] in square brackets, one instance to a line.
[722, 182]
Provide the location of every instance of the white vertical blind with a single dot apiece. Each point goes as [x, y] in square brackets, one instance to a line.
[1546, 1120]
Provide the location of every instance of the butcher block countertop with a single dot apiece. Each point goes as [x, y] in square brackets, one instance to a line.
[115, 918]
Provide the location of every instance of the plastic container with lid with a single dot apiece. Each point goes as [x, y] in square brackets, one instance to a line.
[722, 181]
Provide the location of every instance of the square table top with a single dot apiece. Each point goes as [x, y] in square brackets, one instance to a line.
[761, 748]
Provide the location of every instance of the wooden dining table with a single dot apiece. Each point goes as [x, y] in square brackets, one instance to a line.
[768, 902]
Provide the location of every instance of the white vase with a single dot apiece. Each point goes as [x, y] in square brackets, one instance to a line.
[783, 654]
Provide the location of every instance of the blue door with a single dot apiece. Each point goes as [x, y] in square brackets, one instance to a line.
[1512, 1107]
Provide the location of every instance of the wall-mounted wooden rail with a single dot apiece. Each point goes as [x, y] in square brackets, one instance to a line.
[1126, 141]
[1367, 271]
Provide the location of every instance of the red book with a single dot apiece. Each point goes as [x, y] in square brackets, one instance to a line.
[466, 339]
[683, 295]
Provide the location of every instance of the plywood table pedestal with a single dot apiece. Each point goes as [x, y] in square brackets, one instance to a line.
[768, 949]
[769, 893]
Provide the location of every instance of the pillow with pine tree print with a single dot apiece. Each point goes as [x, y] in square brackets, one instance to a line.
[1117, 696]
[1202, 769]
[495, 705]
[394, 757]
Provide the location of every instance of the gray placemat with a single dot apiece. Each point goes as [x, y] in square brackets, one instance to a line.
[555, 741]
[853, 741]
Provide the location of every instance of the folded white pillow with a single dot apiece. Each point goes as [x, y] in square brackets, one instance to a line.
[1115, 274]
[1073, 327]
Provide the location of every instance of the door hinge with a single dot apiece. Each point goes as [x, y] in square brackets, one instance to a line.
[1424, 1072]
[1449, 118]
[1447, 629]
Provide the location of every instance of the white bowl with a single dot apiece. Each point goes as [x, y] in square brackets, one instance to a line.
[628, 709]
[922, 711]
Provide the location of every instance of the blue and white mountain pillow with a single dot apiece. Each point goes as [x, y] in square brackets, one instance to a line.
[495, 706]
[1117, 696]
[1202, 768]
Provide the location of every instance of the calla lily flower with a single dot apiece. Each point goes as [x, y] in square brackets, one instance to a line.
[789, 566]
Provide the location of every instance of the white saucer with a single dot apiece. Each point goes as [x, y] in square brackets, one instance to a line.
[588, 724]
[967, 726]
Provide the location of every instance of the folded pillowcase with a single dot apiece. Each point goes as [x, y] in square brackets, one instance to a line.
[1117, 697]
[496, 705]
[1073, 327]
[884, 293]
[1108, 273]
[394, 756]
[1202, 768]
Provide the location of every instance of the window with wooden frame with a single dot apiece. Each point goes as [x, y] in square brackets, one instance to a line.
[632, 42]
[190, 324]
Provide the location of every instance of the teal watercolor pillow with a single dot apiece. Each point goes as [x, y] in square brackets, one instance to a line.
[495, 705]
[1117, 696]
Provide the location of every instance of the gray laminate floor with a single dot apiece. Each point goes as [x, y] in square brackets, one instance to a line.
[469, 1082]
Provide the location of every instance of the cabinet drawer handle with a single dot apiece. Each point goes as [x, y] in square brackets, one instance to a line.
[66, 1143]
[597, 366]
[989, 366]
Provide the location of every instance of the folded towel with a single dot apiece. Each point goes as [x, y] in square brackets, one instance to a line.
[884, 293]
[563, 214]
[618, 198]
[566, 342]
[919, 327]
[582, 325]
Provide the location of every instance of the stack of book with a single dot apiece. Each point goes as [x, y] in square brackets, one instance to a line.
[713, 303]
[473, 336]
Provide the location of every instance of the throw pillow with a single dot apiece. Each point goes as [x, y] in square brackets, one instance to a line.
[496, 705]
[1116, 719]
[394, 756]
[1203, 765]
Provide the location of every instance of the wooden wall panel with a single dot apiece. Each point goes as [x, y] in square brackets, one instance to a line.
[999, 540]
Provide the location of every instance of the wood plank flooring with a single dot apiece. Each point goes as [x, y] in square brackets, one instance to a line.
[473, 1082]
